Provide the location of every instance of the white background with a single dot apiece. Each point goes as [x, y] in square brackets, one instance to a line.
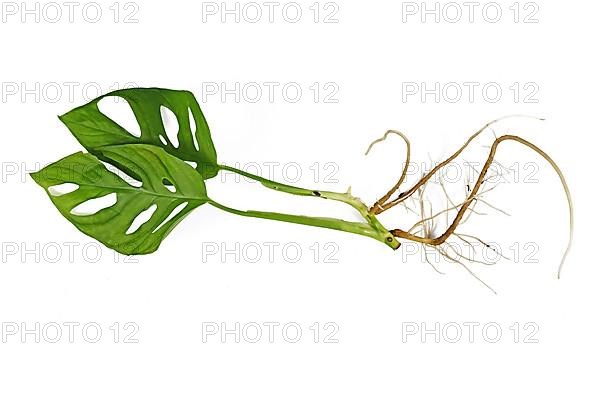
[371, 293]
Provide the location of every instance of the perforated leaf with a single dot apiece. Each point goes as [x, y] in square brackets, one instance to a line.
[193, 143]
[88, 181]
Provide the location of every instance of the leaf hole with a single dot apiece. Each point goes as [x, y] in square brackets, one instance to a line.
[172, 215]
[193, 128]
[141, 219]
[170, 124]
[121, 174]
[63, 188]
[169, 185]
[163, 140]
[118, 109]
[192, 164]
[92, 206]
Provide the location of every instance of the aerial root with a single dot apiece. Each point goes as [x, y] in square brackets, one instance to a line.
[405, 194]
[378, 204]
[464, 209]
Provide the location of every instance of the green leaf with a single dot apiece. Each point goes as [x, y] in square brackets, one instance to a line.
[95, 130]
[113, 225]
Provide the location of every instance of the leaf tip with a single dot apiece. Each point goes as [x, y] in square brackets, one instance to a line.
[36, 176]
[39, 178]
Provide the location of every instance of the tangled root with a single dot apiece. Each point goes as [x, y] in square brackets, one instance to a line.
[422, 231]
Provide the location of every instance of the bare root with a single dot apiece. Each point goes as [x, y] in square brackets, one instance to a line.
[393, 190]
[464, 209]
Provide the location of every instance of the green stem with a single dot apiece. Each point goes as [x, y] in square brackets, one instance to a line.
[281, 187]
[373, 228]
[359, 228]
